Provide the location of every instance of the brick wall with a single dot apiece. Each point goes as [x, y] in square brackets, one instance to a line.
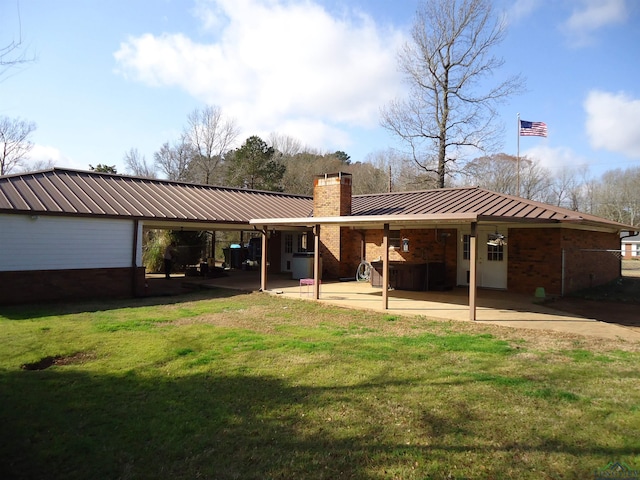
[49, 285]
[585, 269]
[424, 246]
[535, 259]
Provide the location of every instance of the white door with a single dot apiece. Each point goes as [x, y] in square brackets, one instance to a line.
[492, 259]
[287, 251]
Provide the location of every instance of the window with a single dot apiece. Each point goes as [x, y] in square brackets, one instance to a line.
[466, 247]
[495, 253]
[288, 243]
[302, 242]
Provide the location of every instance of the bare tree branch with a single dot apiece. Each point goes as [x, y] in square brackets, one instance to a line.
[450, 110]
[14, 142]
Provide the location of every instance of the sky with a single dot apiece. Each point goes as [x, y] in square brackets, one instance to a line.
[110, 76]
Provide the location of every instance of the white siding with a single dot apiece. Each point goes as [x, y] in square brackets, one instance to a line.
[60, 243]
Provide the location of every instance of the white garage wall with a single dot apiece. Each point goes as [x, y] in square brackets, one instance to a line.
[60, 243]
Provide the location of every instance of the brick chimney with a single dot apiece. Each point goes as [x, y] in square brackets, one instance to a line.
[332, 195]
[332, 198]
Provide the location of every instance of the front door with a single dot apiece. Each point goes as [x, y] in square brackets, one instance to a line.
[492, 259]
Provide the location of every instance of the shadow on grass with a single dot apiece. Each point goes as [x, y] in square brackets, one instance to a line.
[27, 312]
[73, 425]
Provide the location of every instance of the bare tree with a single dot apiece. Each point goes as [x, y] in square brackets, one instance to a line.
[137, 164]
[568, 188]
[13, 53]
[285, 145]
[211, 135]
[447, 62]
[618, 196]
[498, 173]
[14, 142]
[174, 160]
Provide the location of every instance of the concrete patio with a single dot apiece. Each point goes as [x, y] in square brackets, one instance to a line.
[494, 307]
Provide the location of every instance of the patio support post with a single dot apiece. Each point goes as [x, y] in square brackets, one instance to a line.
[263, 260]
[473, 255]
[316, 262]
[134, 259]
[385, 267]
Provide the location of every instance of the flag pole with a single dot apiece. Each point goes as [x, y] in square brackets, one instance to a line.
[518, 157]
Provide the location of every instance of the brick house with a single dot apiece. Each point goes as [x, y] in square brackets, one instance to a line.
[438, 239]
[630, 245]
[76, 234]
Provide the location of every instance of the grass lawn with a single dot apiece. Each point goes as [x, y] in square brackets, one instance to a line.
[252, 386]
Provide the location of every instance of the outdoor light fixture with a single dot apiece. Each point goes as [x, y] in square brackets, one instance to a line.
[496, 239]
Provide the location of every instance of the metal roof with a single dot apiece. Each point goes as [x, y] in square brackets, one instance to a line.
[484, 204]
[164, 203]
[81, 193]
[447, 205]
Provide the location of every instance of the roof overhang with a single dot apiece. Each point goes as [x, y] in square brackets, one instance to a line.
[368, 221]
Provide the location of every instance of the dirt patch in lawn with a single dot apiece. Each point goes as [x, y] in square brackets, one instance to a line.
[49, 361]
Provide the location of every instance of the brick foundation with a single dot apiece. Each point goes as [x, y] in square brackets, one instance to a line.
[50, 285]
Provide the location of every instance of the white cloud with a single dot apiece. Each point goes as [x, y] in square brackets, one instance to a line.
[592, 15]
[612, 122]
[45, 156]
[276, 65]
[521, 9]
[555, 158]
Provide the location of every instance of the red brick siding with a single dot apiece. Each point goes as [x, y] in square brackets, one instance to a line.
[48, 285]
[585, 269]
[535, 259]
[424, 247]
[350, 254]
[330, 251]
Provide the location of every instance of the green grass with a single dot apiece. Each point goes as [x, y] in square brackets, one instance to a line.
[256, 386]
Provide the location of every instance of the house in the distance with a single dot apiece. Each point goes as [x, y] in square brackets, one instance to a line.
[630, 245]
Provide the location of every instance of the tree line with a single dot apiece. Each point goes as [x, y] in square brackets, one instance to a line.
[446, 122]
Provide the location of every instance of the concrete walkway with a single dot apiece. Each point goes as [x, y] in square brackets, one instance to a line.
[494, 307]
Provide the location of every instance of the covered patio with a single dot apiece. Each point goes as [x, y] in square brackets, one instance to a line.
[493, 307]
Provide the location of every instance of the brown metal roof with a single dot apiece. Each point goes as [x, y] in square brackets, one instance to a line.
[72, 192]
[480, 203]
[158, 202]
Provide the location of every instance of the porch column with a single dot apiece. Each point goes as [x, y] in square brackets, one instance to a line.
[263, 260]
[473, 255]
[316, 262]
[385, 267]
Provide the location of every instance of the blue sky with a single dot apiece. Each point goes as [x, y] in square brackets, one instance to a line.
[115, 75]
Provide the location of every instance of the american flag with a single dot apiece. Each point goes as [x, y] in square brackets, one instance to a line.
[533, 129]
